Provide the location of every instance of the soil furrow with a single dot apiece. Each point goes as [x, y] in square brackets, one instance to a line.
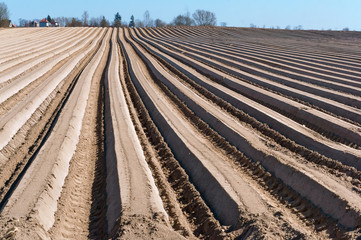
[202, 222]
[205, 131]
[266, 81]
[74, 205]
[283, 69]
[256, 152]
[311, 52]
[281, 50]
[30, 131]
[37, 46]
[240, 48]
[238, 100]
[179, 133]
[40, 203]
[15, 90]
[301, 113]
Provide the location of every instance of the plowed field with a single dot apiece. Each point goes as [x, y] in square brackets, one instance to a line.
[179, 133]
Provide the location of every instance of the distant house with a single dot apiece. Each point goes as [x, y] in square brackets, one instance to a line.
[44, 23]
[33, 24]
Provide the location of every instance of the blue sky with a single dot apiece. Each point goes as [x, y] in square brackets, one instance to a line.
[311, 14]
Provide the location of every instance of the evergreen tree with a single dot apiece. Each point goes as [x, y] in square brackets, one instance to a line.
[117, 20]
[131, 23]
[49, 18]
[104, 22]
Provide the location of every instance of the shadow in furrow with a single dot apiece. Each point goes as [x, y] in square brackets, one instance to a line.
[98, 222]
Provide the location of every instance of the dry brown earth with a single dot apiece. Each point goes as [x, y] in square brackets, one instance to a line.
[180, 133]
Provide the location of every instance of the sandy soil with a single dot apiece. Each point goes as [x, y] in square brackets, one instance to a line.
[180, 133]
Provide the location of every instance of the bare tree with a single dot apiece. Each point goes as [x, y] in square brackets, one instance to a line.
[66, 21]
[188, 20]
[4, 15]
[139, 23]
[179, 21]
[148, 22]
[22, 22]
[204, 18]
[223, 24]
[160, 23]
[61, 20]
[183, 20]
[85, 19]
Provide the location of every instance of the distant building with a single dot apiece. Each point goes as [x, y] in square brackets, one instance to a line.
[33, 24]
[44, 23]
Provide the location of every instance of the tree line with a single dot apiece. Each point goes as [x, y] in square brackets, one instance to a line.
[198, 18]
